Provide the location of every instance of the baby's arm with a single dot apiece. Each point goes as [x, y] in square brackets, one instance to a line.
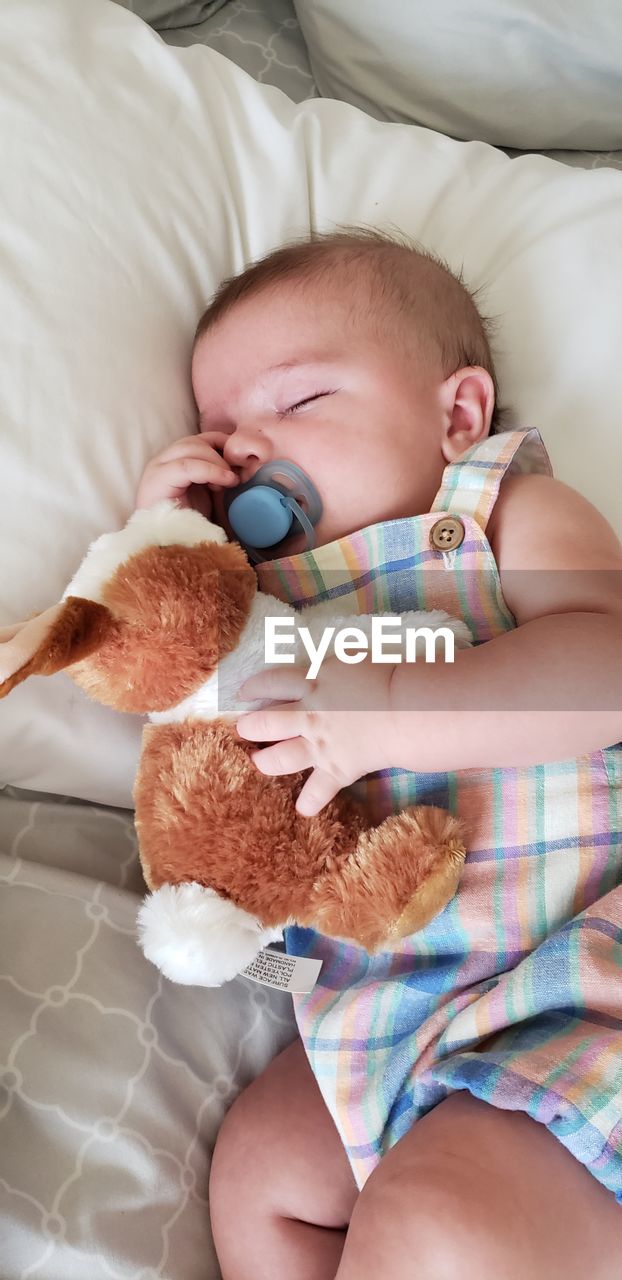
[552, 688]
[186, 471]
[549, 690]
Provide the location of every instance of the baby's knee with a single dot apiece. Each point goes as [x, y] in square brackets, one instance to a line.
[251, 1164]
[424, 1225]
[236, 1172]
[240, 1192]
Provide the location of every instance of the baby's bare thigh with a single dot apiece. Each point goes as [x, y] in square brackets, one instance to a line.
[279, 1150]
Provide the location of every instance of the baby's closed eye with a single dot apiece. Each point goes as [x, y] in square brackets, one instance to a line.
[300, 404]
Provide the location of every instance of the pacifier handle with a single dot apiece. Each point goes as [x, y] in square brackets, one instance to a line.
[257, 556]
[302, 517]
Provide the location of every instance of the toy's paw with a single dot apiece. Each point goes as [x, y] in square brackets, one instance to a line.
[198, 938]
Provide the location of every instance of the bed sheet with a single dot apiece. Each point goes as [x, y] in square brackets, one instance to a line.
[113, 1081]
[261, 36]
[264, 37]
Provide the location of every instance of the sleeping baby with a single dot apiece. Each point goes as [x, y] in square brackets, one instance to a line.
[445, 1097]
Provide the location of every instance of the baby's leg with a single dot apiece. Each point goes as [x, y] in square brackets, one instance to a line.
[281, 1190]
[482, 1194]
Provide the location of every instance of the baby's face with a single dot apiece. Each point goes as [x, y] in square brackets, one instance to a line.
[287, 374]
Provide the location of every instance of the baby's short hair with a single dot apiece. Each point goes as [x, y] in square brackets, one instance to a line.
[406, 291]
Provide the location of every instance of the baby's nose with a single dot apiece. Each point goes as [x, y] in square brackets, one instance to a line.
[246, 450]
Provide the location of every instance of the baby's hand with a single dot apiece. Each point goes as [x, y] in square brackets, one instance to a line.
[185, 472]
[339, 725]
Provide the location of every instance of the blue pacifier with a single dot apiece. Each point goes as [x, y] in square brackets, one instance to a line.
[262, 511]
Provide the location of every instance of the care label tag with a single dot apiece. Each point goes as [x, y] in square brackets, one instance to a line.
[287, 973]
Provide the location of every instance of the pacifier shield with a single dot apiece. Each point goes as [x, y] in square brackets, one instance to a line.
[264, 511]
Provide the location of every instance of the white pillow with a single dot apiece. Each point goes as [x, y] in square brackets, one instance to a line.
[532, 74]
[134, 177]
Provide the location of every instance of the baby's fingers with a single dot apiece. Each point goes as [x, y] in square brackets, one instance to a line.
[216, 439]
[291, 756]
[172, 479]
[182, 472]
[208, 445]
[319, 789]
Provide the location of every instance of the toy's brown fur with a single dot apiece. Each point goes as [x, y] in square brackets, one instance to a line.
[204, 813]
[183, 609]
[80, 629]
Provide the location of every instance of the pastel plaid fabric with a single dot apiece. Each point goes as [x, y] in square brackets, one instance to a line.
[515, 991]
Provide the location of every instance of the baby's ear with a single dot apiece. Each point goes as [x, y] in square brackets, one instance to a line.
[51, 641]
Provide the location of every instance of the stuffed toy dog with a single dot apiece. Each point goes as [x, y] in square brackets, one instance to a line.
[165, 618]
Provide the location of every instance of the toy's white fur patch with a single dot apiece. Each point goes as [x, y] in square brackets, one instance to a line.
[218, 697]
[196, 937]
[164, 525]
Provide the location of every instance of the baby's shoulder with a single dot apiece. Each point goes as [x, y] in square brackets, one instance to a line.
[540, 522]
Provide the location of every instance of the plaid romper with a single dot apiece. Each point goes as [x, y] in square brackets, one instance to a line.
[515, 991]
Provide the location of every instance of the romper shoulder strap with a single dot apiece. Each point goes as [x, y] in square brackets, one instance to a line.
[470, 486]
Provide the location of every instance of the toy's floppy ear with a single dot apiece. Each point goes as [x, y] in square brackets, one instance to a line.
[51, 641]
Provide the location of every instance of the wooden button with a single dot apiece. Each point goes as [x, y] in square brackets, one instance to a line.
[447, 534]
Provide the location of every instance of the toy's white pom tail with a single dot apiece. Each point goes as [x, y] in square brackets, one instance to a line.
[198, 938]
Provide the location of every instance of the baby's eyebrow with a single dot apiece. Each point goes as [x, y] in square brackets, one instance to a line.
[301, 365]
